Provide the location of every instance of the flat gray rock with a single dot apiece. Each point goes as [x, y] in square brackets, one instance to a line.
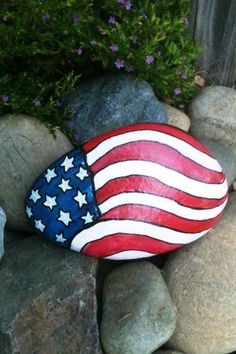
[201, 278]
[48, 301]
[225, 156]
[109, 102]
[213, 115]
[138, 315]
[2, 224]
[26, 149]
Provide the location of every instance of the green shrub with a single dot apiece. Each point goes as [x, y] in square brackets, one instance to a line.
[48, 46]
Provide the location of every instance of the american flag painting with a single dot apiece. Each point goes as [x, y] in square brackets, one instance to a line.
[133, 192]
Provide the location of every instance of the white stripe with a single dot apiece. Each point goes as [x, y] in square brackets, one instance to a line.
[105, 228]
[166, 175]
[130, 255]
[150, 135]
[162, 203]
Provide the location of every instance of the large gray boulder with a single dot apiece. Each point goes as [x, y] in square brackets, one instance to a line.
[138, 316]
[110, 102]
[26, 149]
[201, 278]
[48, 301]
[2, 224]
[213, 115]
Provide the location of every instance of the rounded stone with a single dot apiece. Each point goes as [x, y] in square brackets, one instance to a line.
[177, 118]
[213, 115]
[166, 352]
[26, 149]
[110, 102]
[202, 281]
[138, 315]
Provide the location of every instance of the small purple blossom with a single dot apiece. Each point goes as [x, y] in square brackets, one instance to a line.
[145, 17]
[37, 102]
[5, 99]
[184, 77]
[45, 17]
[177, 91]
[71, 123]
[5, 18]
[121, 1]
[79, 51]
[186, 21]
[149, 59]
[112, 20]
[130, 69]
[93, 42]
[76, 137]
[128, 5]
[119, 63]
[76, 18]
[114, 47]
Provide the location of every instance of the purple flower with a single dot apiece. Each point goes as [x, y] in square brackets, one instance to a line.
[149, 59]
[128, 5]
[184, 77]
[130, 69]
[119, 63]
[114, 47]
[76, 137]
[71, 123]
[79, 51]
[37, 102]
[5, 99]
[145, 17]
[45, 17]
[93, 42]
[5, 18]
[121, 1]
[177, 91]
[76, 18]
[186, 21]
[112, 20]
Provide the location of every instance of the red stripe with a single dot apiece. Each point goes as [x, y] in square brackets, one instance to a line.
[167, 129]
[152, 186]
[159, 217]
[159, 153]
[124, 242]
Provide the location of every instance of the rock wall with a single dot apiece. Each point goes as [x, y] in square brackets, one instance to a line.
[213, 27]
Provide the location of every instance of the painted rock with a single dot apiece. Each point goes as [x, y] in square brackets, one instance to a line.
[133, 192]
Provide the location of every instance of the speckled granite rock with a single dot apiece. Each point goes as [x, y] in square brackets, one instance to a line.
[202, 281]
[138, 316]
[48, 301]
[110, 102]
[26, 149]
[213, 115]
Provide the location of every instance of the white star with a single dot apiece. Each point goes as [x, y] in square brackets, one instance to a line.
[35, 195]
[39, 225]
[29, 212]
[50, 174]
[68, 163]
[65, 218]
[87, 218]
[81, 199]
[50, 202]
[60, 238]
[82, 173]
[64, 185]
